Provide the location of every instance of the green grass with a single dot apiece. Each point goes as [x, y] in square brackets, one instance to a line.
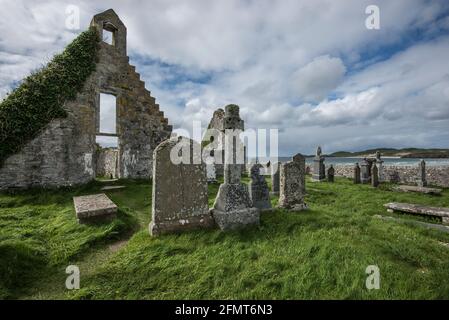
[321, 253]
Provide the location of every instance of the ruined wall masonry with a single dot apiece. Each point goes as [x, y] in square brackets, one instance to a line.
[436, 175]
[63, 153]
[217, 123]
[107, 162]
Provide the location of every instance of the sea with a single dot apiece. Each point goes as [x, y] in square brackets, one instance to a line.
[393, 161]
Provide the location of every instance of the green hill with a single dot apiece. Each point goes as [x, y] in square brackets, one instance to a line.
[391, 152]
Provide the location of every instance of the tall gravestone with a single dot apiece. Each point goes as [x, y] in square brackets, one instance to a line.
[293, 184]
[380, 166]
[258, 189]
[307, 170]
[211, 173]
[319, 170]
[374, 176]
[371, 161]
[422, 178]
[365, 171]
[180, 199]
[233, 208]
[330, 174]
[356, 173]
[275, 178]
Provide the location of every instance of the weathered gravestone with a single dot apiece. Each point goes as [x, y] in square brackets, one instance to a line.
[422, 179]
[307, 170]
[380, 166]
[319, 170]
[365, 171]
[275, 178]
[330, 174]
[233, 208]
[293, 184]
[258, 189]
[211, 173]
[180, 200]
[374, 176]
[356, 174]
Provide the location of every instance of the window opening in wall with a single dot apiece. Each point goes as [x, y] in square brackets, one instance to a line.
[108, 37]
[109, 31]
[108, 113]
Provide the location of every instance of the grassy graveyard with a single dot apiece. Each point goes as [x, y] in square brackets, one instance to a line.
[321, 253]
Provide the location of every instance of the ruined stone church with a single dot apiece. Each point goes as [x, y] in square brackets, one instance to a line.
[64, 153]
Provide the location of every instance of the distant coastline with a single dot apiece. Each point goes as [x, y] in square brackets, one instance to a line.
[350, 161]
[405, 153]
[391, 157]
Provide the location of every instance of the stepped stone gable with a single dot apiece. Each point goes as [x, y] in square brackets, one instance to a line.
[180, 199]
[292, 184]
[64, 153]
[258, 189]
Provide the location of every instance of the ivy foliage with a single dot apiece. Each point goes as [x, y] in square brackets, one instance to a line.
[40, 98]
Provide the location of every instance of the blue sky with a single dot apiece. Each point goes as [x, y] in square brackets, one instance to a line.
[309, 68]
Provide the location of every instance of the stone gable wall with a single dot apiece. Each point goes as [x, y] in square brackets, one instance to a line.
[63, 154]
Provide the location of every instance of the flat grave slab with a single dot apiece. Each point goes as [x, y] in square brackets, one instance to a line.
[418, 223]
[107, 180]
[424, 190]
[419, 209]
[107, 188]
[94, 207]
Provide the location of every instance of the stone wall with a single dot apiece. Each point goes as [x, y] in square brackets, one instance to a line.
[63, 154]
[217, 123]
[107, 162]
[436, 175]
